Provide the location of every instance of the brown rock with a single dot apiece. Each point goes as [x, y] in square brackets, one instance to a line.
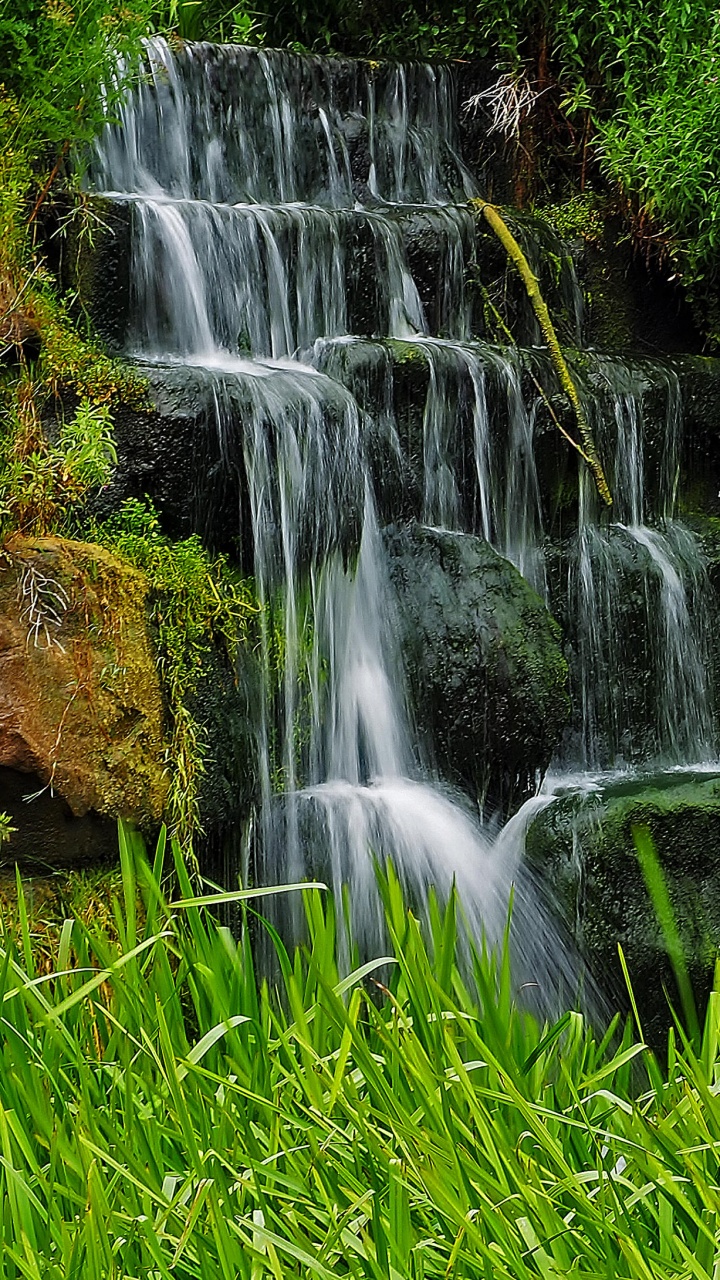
[80, 700]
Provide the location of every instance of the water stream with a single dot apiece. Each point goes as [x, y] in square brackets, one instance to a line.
[269, 197]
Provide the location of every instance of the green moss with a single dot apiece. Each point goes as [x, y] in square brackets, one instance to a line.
[582, 844]
[80, 686]
[404, 353]
[198, 604]
[579, 216]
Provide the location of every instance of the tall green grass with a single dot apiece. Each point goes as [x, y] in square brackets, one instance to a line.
[165, 1115]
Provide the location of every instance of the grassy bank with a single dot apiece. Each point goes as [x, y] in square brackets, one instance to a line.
[162, 1114]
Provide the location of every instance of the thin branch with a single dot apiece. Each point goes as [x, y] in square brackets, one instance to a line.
[512, 248]
[538, 385]
[53, 175]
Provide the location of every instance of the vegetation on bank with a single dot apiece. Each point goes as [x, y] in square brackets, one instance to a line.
[197, 602]
[166, 1112]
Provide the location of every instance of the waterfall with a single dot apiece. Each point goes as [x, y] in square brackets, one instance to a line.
[273, 201]
[641, 593]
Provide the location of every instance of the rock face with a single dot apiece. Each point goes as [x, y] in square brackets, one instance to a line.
[582, 845]
[487, 675]
[80, 701]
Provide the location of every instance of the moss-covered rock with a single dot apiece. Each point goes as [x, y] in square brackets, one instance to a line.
[582, 845]
[486, 671]
[80, 701]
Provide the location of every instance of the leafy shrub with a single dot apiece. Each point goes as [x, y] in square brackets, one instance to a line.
[57, 88]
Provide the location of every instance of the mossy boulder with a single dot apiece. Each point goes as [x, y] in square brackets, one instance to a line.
[582, 846]
[486, 671]
[80, 702]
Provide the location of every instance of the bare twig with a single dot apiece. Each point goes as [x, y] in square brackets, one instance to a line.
[53, 175]
[510, 100]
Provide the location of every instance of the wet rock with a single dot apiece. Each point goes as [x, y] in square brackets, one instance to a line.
[700, 477]
[80, 701]
[223, 706]
[93, 258]
[582, 846]
[171, 453]
[47, 834]
[486, 671]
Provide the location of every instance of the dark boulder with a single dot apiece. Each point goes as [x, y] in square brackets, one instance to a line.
[486, 671]
[582, 846]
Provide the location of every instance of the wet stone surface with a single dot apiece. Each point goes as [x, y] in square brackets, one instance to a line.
[485, 668]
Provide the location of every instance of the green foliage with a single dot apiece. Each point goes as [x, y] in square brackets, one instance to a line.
[57, 60]
[197, 602]
[580, 216]
[72, 362]
[7, 830]
[162, 1114]
[665, 915]
[48, 469]
[373, 28]
[41, 481]
[209, 20]
[57, 88]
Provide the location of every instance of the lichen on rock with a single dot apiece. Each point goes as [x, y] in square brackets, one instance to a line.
[80, 699]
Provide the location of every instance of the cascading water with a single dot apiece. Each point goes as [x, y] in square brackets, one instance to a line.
[270, 198]
[641, 593]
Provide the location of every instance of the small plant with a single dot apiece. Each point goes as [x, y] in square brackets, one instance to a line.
[246, 29]
[7, 830]
[580, 216]
[40, 482]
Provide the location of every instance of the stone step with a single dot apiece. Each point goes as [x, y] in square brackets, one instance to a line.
[281, 276]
